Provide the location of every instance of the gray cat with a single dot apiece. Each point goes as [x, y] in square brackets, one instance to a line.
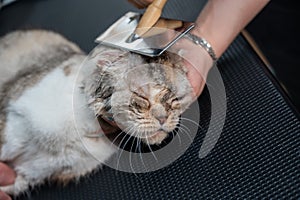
[51, 103]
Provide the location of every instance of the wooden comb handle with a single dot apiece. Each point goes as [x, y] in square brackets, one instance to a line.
[150, 17]
[163, 25]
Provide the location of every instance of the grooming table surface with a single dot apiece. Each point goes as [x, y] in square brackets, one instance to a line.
[257, 155]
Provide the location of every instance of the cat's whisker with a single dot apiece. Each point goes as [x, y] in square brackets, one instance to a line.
[173, 135]
[130, 159]
[151, 149]
[119, 146]
[141, 154]
[137, 144]
[186, 132]
[140, 149]
[177, 134]
[165, 142]
[118, 160]
[128, 129]
[179, 137]
[130, 136]
[195, 123]
[115, 139]
[120, 135]
[185, 127]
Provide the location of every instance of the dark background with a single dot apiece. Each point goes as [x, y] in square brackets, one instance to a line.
[276, 32]
[274, 29]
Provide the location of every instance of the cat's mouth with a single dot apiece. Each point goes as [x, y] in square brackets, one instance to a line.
[156, 133]
[110, 126]
[156, 137]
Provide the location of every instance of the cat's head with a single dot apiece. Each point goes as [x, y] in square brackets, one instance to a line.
[144, 96]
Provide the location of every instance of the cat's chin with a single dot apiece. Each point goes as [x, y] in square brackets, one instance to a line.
[155, 138]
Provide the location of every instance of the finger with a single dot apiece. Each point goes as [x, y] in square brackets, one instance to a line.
[196, 80]
[7, 175]
[4, 196]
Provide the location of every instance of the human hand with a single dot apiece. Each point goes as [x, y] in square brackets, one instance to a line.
[7, 177]
[197, 62]
[195, 58]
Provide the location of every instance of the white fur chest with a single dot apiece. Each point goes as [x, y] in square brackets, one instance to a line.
[41, 137]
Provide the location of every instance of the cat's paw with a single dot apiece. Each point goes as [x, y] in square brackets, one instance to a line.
[65, 179]
[157, 138]
[20, 186]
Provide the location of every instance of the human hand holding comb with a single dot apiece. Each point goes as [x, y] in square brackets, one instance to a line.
[219, 23]
[150, 19]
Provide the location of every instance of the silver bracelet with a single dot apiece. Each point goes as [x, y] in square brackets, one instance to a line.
[203, 43]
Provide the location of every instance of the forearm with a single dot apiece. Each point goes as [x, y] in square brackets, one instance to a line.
[222, 20]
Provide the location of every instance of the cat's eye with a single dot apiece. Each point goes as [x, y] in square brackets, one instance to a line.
[139, 102]
[175, 104]
[166, 97]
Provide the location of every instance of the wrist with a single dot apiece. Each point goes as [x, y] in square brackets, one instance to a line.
[213, 39]
[203, 43]
[196, 55]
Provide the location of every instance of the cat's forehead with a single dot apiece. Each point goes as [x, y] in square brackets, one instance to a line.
[153, 92]
[150, 83]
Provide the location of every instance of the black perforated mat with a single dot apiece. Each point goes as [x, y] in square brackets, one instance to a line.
[257, 155]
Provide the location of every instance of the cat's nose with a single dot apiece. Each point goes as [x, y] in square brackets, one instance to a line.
[161, 119]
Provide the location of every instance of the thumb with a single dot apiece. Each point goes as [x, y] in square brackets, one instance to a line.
[7, 175]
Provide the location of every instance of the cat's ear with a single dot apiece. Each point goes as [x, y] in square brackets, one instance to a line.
[106, 57]
[101, 63]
